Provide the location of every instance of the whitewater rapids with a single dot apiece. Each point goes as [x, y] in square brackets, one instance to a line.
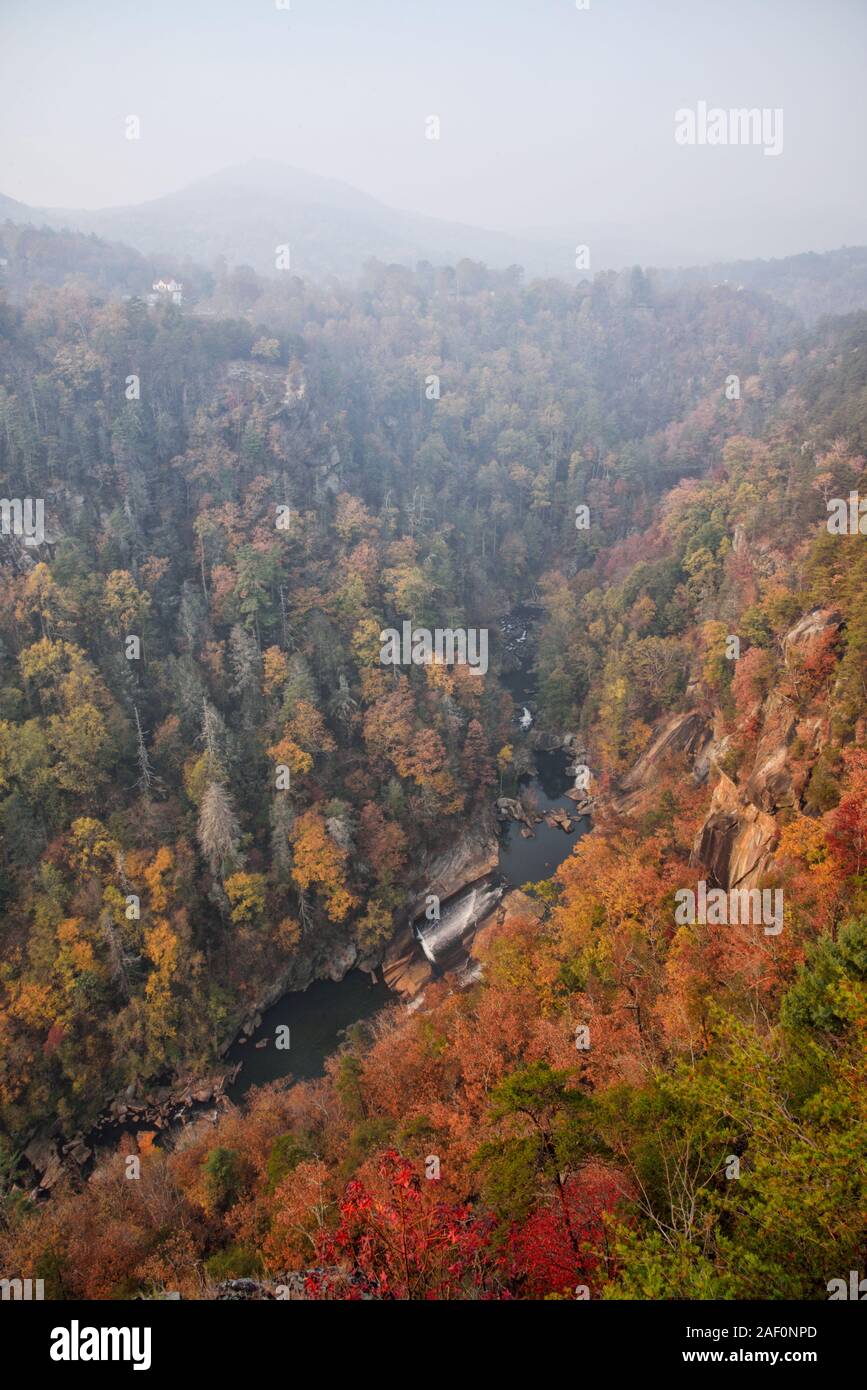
[459, 916]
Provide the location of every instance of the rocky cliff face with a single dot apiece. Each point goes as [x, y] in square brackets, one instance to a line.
[690, 734]
[736, 843]
[472, 855]
[737, 840]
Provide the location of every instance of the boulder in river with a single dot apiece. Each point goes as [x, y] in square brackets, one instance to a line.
[545, 742]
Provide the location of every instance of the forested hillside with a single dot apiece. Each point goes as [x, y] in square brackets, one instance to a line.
[240, 494]
[814, 285]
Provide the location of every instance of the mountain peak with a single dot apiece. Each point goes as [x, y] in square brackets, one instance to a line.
[274, 179]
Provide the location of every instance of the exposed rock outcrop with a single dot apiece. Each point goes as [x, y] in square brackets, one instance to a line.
[294, 1286]
[811, 625]
[152, 1111]
[160, 1106]
[471, 856]
[737, 841]
[545, 742]
[688, 733]
[43, 1155]
[405, 967]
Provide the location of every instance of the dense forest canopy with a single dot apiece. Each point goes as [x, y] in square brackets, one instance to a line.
[241, 493]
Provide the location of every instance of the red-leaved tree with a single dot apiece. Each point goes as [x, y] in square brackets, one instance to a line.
[396, 1239]
[547, 1257]
[847, 824]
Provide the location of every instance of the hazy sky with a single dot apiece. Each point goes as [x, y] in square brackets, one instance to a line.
[551, 117]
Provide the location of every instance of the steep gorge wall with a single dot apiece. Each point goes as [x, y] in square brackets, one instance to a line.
[736, 843]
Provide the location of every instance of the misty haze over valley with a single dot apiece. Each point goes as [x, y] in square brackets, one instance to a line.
[433, 671]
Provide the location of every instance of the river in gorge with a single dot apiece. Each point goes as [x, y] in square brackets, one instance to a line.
[318, 1017]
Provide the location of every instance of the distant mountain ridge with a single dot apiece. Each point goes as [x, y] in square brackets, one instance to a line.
[812, 283]
[245, 212]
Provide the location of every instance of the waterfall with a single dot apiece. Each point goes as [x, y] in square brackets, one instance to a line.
[459, 916]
